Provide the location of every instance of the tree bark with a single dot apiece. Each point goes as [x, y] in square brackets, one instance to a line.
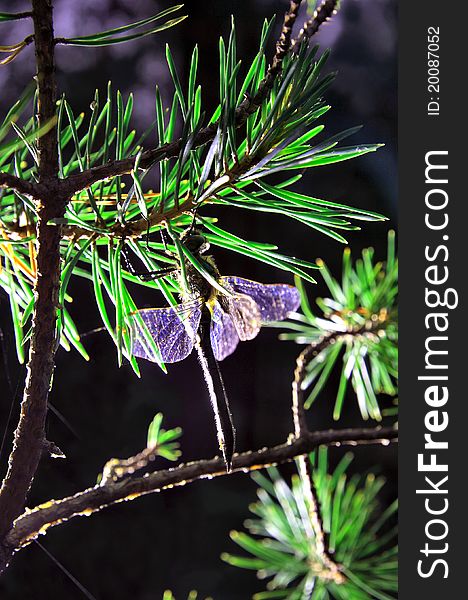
[29, 436]
[56, 512]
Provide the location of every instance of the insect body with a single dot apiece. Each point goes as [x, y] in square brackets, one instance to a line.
[213, 323]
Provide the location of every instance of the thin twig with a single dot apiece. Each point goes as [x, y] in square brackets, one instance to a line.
[328, 565]
[284, 42]
[370, 326]
[321, 15]
[66, 572]
[19, 185]
[54, 512]
[116, 469]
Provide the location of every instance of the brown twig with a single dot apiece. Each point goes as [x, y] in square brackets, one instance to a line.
[323, 14]
[29, 436]
[328, 565]
[116, 469]
[284, 42]
[54, 512]
[370, 326]
[19, 185]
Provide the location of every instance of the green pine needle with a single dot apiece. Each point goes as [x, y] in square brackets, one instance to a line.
[281, 547]
[233, 170]
[361, 316]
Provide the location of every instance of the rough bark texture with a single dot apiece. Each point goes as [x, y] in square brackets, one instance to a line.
[15, 183]
[323, 14]
[55, 512]
[29, 436]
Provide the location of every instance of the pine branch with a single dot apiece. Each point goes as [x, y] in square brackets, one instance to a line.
[284, 42]
[51, 195]
[138, 227]
[80, 181]
[19, 185]
[55, 512]
[323, 14]
[29, 436]
[300, 429]
[305, 469]
[248, 106]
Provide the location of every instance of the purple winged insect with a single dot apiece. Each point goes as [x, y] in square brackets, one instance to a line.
[213, 323]
[239, 317]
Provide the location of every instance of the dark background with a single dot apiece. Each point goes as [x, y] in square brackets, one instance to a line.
[174, 540]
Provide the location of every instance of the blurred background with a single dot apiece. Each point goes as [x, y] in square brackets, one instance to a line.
[174, 540]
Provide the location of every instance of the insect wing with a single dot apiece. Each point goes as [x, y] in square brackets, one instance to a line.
[223, 334]
[245, 315]
[275, 301]
[172, 330]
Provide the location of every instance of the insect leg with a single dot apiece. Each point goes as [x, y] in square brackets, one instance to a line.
[144, 275]
[194, 221]
[164, 239]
